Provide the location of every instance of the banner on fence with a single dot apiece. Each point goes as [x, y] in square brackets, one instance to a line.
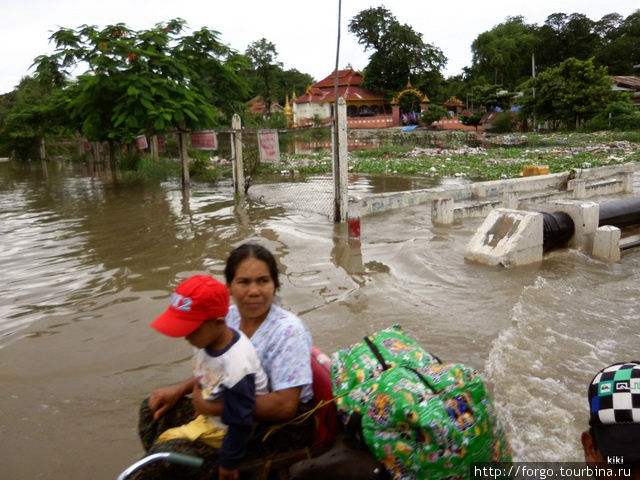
[141, 142]
[269, 146]
[204, 140]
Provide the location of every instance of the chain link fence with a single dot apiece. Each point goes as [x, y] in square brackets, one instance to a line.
[302, 180]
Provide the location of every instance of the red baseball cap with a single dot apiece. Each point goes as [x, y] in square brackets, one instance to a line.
[196, 300]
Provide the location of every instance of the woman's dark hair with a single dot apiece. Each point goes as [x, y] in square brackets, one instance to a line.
[250, 250]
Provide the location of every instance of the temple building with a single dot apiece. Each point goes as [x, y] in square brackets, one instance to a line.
[365, 109]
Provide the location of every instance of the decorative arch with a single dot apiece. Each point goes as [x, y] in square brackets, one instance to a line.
[395, 105]
[410, 90]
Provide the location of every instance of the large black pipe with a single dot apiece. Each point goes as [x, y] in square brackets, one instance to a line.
[558, 228]
[620, 213]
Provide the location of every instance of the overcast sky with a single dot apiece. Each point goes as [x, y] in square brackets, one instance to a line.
[304, 32]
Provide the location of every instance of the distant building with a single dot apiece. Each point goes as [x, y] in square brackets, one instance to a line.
[365, 109]
[257, 105]
[629, 84]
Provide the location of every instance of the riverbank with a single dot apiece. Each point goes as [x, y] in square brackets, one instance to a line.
[474, 156]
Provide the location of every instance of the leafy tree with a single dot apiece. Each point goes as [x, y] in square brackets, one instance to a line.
[620, 49]
[473, 120]
[503, 54]
[288, 81]
[263, 54]
[398, 52]
[490, 97]
[568, 94]
[619, 115]
[433, 114]
[144, 81]
[32, 112]
[503, 123]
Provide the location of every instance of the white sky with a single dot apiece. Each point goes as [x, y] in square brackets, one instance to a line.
[304, 32]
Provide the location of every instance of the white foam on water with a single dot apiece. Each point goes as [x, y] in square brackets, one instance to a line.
[564, 329]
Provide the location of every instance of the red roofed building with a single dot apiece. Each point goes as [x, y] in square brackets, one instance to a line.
[364, 108]
[629, 84]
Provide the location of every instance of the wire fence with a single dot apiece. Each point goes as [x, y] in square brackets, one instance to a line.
[301, 180]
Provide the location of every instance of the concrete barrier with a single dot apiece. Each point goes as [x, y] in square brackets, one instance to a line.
[576, 184]
[510, 238]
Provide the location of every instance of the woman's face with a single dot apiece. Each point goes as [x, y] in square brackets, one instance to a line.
[253, 289]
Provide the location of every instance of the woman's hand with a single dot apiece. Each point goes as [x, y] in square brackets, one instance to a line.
[224, 474]
[165, 398]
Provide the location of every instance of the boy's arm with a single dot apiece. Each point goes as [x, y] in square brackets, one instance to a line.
[272, 407]
[238, 405]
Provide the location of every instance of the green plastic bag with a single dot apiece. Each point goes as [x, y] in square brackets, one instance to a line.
[420, 418]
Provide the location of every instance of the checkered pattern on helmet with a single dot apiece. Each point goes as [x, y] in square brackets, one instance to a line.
[614, 395]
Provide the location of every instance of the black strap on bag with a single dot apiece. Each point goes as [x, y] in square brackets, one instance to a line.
[376, 353]
[385, 366]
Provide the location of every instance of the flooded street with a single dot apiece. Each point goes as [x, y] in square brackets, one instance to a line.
[87, 263]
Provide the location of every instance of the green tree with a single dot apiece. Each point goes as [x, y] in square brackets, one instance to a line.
[433, 114]
[32, 113]
[288, 81]
[144, 81]
[490, 96]
[568, 94]
[473, 120]
[263, 54]
[619, 115]
[399, 53]
[502, 55]
[620, 49]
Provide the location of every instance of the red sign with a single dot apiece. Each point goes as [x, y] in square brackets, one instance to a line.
[141, 142]
[269, 146]
[162, 145]
[204, 140]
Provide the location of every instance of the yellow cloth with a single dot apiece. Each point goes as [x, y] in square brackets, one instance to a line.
[199, 429]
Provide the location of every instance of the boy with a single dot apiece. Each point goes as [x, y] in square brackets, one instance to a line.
[225, 367]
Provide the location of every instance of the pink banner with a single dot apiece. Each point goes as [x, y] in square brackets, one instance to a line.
[269, 146]
[205, 140]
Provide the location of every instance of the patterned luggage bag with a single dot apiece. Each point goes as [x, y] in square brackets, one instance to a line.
[420, 418]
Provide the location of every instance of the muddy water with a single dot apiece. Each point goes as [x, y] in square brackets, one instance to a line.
[87, 263]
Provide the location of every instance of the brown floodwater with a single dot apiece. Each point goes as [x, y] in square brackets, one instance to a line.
[87, 262]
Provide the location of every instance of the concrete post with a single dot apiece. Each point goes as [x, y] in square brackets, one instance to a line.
[578, 188]
[442, 211]
[238, 163]
[340, 166]
[510, 200]
[627, 182]
[606, 244]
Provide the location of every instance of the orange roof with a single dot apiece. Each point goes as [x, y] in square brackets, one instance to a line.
[345, 77]
[352, 93]
[349, 82]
